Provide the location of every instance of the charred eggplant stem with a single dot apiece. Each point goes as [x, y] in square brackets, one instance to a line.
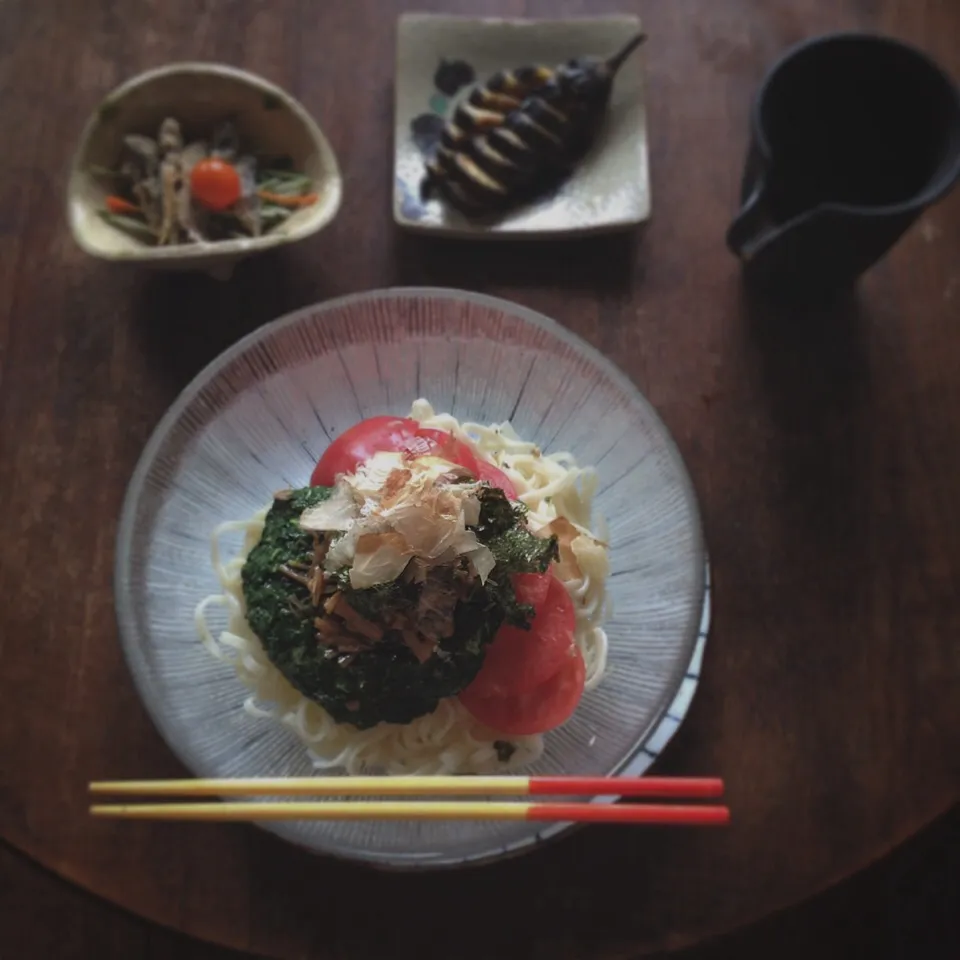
[617, 60]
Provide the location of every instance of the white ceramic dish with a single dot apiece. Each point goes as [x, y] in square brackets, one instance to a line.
[610, 188]
[199, 95]
[258, 417]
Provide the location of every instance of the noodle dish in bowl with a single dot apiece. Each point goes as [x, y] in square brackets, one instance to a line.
[432, 603]
[413, 532]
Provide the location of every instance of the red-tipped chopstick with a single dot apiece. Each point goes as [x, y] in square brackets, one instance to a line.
[664, 814]
[660, 787]
[676, 788]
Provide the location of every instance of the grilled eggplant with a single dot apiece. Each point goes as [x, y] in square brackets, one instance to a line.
[521, 132]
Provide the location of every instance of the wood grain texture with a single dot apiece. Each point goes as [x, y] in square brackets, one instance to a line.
[823, 448]
[898, 909]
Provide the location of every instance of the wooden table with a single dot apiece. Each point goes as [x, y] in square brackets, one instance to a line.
[823, 448]
[900, 908]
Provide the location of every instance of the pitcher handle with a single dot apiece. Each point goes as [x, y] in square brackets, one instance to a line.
[751, 227]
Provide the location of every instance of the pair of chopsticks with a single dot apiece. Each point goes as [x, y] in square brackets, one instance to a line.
[661, 788]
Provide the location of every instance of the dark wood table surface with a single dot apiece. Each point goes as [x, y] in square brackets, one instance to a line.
[901, 908]
[823, 446]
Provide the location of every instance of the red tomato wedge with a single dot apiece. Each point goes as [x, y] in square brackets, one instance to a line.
[402, 435]
[430, 442]
[496, 478]
[532, 588]
[518, 660]
[540, 709]
[358, 444]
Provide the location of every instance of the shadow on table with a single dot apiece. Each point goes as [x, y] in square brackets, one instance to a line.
[606, 264]
[814, 376]
[904, 901]
[813, 358]
[901, 908]
[187, 319]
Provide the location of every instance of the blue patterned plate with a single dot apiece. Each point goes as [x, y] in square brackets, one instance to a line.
[441, 58]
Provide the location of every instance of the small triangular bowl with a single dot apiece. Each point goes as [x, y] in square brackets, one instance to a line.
[199, 95]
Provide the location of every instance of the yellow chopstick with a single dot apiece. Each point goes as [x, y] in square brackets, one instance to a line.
[359, 810]
[419, 810]
[506, 786]
[316, 787]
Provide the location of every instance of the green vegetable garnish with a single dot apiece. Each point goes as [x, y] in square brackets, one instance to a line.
[383, 681]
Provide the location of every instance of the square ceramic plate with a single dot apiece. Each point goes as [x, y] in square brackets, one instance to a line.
[608, 191]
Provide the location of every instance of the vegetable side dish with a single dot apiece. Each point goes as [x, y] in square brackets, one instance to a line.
[387, 651]
[521, 132]
[166, 191]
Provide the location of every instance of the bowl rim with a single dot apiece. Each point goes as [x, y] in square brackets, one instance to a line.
[175, 734]
[333, 179]
[577, 21]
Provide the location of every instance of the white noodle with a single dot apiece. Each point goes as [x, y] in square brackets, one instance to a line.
[448, 740]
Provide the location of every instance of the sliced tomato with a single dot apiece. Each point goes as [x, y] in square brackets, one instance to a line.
[359, 443]
[518, 660]
[403, 435]
[531, 588]
[430, 442]
[544, 707]
[496, 478]
[400, 434]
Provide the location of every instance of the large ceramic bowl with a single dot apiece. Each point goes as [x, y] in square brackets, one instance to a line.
[257, 418]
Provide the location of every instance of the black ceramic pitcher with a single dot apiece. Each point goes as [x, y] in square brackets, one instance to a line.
[853, 135]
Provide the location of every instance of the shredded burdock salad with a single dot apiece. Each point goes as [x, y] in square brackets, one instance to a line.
[167, 191]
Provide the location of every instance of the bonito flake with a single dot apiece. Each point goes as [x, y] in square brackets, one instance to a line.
[392, 510]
